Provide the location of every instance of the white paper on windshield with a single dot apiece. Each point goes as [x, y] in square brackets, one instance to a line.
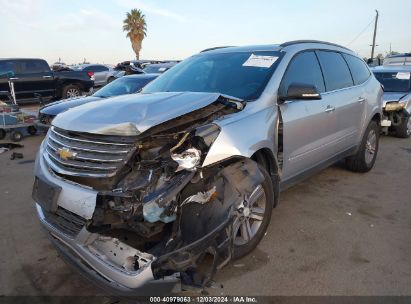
[403, 75]
[260, 61]
[162, 69]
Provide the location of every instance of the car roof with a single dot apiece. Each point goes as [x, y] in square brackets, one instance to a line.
[8, 59]
[278, 47]
[392, 68]
[399, 55]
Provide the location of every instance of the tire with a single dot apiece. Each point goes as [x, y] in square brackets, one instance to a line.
[16, 136]
[111, 79]
[241, 249]
[71, 91]
[2, 134]
[32, 130]
[364, 159]
[404, 129]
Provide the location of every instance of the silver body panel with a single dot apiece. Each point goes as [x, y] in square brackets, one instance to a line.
[132, 114]
[76, 198]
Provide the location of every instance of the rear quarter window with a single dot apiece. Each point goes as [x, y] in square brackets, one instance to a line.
[360, 72]
[336, 72]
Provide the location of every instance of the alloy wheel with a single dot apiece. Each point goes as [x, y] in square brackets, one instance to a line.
[370, 146]
[249, 216]
[73, 93]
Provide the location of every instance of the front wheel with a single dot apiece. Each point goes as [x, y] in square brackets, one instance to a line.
[252, 217]
[404, 128]
[364, 159]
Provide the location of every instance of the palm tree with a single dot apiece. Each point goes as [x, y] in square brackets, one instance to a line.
[135, 26]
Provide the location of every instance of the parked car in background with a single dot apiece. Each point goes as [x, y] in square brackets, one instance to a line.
[397, 98]
[159, 67]
[125, 85]
[138, 66]
[176, 181]
[33, 78]
[103, 74]
[399, 59]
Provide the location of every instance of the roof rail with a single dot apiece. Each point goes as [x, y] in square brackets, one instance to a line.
[288, 43]
[215, 48]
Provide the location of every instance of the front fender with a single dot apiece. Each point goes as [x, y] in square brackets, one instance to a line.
[244, 136]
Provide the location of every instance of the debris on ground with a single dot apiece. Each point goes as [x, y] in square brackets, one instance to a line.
[16, 155]
[9, 146]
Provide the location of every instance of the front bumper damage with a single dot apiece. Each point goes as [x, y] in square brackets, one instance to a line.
[394, 114]
[161, 224]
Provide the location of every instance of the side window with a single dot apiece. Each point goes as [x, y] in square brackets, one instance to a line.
[7, 68]
[336, 72]
[33, 66]
[358, 68]
[304, 68]
[98, 68]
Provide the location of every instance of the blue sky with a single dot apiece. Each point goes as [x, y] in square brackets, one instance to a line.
[92, 29]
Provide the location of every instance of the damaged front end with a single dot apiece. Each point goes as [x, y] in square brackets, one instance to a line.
[141, 209]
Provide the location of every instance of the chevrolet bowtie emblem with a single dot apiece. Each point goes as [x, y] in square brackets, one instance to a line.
[65, 153]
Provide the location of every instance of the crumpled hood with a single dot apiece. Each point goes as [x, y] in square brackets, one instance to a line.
[133, 114]
[60, 106]
[392, 96]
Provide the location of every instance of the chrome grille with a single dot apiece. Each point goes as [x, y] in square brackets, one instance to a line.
[66, 221]
[78, 155]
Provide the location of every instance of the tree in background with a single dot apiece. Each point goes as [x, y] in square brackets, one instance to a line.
[136, 27]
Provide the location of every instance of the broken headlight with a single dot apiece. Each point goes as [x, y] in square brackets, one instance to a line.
[187, 160]
[394, 106]
[191, 151]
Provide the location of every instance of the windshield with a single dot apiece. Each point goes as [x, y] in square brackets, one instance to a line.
[239, 74]
[121, 86]
[394, 81]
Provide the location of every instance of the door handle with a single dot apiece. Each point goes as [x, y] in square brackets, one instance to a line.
[361, 99]
[46, 77]
[14, 78]
[329, 109]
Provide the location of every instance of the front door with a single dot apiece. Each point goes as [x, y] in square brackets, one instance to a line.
[307, 125]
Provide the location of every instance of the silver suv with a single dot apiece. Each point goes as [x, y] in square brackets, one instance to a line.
[171, 184]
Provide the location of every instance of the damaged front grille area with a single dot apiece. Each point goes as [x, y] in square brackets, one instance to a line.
[66, 221]
[76, 154]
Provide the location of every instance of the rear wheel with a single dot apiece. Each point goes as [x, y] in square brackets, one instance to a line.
[252, 217]
[404, 128]
[71, 91]
[111, 79]
[364, 160]
[32, 130]
[16, 136]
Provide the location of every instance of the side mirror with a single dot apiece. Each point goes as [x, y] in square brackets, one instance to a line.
[300, 91]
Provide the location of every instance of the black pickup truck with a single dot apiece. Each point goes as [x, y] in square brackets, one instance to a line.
[33, 78]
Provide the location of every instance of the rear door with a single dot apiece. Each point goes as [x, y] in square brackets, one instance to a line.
[361, 74]
[343, 101]
[306, 124]
[33, 76]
